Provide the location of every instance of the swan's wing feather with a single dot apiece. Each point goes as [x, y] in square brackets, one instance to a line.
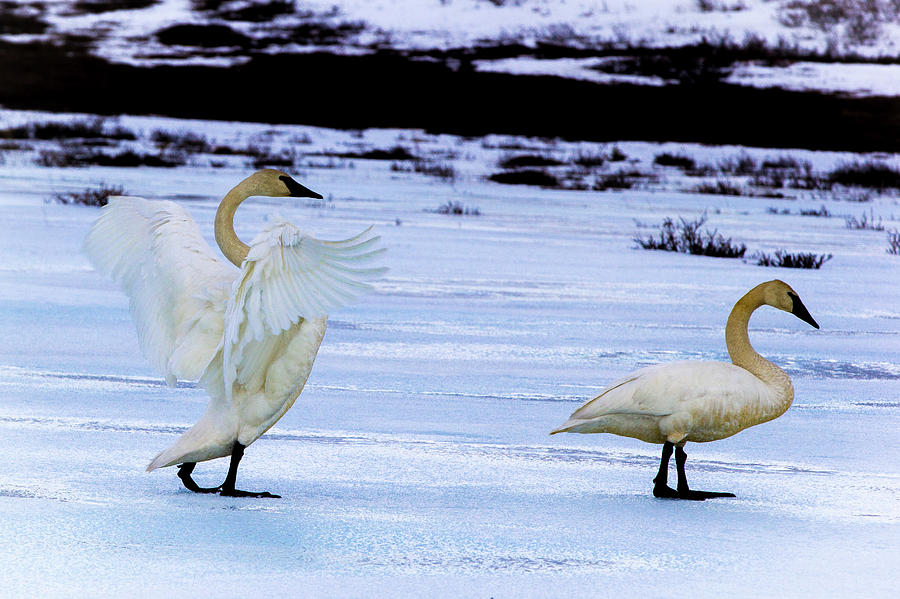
[289, 276]
[664, 389]
[177, 287]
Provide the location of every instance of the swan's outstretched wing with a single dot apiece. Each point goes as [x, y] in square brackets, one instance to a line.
[177, 287]
[288, 276]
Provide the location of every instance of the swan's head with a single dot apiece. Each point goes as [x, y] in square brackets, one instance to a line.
[780, 295]
[274, 183]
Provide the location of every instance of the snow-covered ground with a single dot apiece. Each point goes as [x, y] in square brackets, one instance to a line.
[417, 461]
[869, 30]
[427, 24]
[852, 79]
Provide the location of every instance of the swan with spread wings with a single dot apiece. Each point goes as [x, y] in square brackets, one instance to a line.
[249, 334]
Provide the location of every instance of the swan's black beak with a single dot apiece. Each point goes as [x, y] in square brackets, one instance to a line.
[298, 191]
[800, 311]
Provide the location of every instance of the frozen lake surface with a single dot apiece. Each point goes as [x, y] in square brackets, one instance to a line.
[417, 460]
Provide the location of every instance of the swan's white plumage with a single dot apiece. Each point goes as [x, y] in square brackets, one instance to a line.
[287, 276]
[249, 334]
[678, 401]
[696, 400]
[176, 286]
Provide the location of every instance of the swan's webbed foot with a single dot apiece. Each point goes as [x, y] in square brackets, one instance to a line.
[184, 473]
[663, 491]
[666, 492]
[239, 493]
[701, 495]
[227, 489]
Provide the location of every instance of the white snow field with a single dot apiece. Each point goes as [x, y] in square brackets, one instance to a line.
[417, 461]
[428, 24]
[844, 30]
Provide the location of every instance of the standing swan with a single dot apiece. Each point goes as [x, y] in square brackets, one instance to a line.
[697, 401]
[251, 334]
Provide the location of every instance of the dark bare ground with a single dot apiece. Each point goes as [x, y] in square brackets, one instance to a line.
[388, 89]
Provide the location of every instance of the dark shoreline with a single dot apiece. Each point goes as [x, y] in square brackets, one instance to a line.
[387, 89]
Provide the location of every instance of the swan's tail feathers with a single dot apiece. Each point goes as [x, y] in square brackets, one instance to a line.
[569, 426]
[181, 453]
[163, 459]
[201, 442]
[178, 453]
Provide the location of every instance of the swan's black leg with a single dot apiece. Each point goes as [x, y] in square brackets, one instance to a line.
[184, 473]
[660, 488]
[683, 491]
[227, 489]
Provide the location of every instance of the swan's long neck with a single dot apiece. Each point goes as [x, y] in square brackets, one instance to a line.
[230, 244]
[742, 354]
